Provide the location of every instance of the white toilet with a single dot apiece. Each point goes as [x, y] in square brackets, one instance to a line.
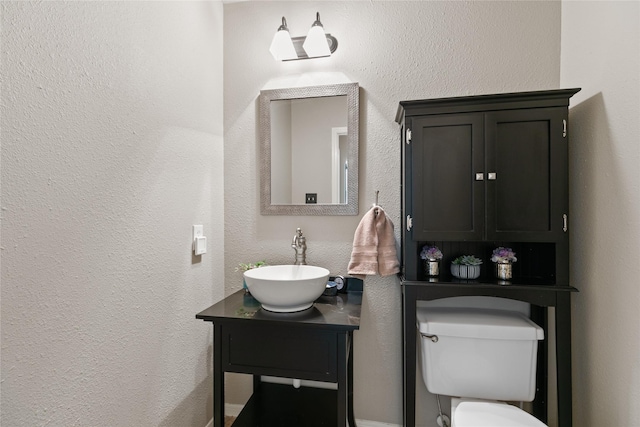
[480, 357]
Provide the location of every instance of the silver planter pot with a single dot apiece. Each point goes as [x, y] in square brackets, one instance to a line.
[432, 267]
[465, 271]
[504, 270]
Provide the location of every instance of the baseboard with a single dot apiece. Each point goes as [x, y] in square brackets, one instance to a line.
[234, 411]
[229, 410]
[366, 423]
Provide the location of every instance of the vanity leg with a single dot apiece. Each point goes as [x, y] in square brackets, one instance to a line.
[342, 380]
[350, 414]
[409, 359]
[563, 356]
[218, 378]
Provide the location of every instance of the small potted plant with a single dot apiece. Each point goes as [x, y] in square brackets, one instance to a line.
[504, 259]
[466, 267]
[250, 266]
[431, 256]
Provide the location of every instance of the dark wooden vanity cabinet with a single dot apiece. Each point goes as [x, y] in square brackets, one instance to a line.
[315, 344]
[480, 172]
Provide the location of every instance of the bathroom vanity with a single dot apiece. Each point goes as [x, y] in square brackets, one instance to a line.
[480, 172]
[314, 344]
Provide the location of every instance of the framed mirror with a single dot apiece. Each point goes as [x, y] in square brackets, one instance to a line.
[309, 150]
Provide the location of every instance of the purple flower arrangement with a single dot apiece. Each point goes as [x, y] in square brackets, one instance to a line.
[431, 253]
[503, 255]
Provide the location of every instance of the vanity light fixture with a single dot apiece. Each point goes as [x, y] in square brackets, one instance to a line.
[281, 45]
[316, 44]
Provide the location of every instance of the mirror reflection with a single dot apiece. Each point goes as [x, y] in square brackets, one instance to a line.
[309, 150]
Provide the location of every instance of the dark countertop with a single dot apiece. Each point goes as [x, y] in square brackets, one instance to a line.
[334, 312]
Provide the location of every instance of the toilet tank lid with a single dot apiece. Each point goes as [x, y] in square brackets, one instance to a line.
[477, 323]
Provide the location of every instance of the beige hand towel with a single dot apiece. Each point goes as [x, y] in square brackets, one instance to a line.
[387, 257]
[374, 248]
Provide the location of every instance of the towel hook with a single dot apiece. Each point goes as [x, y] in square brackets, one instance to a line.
[375, 205]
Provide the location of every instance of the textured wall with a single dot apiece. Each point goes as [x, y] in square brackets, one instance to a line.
[111, 150]
[601, 54]
[396, 51]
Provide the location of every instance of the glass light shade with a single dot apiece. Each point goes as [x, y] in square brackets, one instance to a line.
[282, 46]
[316, 43]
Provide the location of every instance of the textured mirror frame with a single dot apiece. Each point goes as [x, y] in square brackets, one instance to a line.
[352, 91]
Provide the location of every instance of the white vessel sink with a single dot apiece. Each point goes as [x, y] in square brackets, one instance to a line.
[286, 288]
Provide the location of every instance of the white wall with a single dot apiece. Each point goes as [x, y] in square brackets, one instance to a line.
[396, 51]
[601, 54]
[111, 151]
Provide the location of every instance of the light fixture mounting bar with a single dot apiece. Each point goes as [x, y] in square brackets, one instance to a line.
[298, 42]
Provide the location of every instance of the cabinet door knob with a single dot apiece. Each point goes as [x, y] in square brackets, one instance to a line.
[480, 176]
[492, 176]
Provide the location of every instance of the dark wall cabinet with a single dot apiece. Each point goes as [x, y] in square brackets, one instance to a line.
[489, 175]
[489, 168]
[480, 172]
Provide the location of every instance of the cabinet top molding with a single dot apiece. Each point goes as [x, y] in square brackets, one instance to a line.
[502, 101]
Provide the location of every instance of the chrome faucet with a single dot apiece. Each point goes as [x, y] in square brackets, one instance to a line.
[299, 244]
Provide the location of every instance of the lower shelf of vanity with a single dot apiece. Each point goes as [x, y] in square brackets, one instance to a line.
[278, 405]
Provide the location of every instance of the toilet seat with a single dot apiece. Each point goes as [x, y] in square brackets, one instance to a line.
[473, 413]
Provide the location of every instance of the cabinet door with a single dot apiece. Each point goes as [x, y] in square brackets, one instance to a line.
[527, 177]
[447, 152]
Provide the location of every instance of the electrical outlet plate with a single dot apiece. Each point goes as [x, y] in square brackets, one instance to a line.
[311, 198]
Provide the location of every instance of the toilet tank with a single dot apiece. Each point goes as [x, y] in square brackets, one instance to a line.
[478, 353]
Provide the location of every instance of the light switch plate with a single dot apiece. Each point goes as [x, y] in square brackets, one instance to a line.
[200, 245]
[198, 231]
[199, 242]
